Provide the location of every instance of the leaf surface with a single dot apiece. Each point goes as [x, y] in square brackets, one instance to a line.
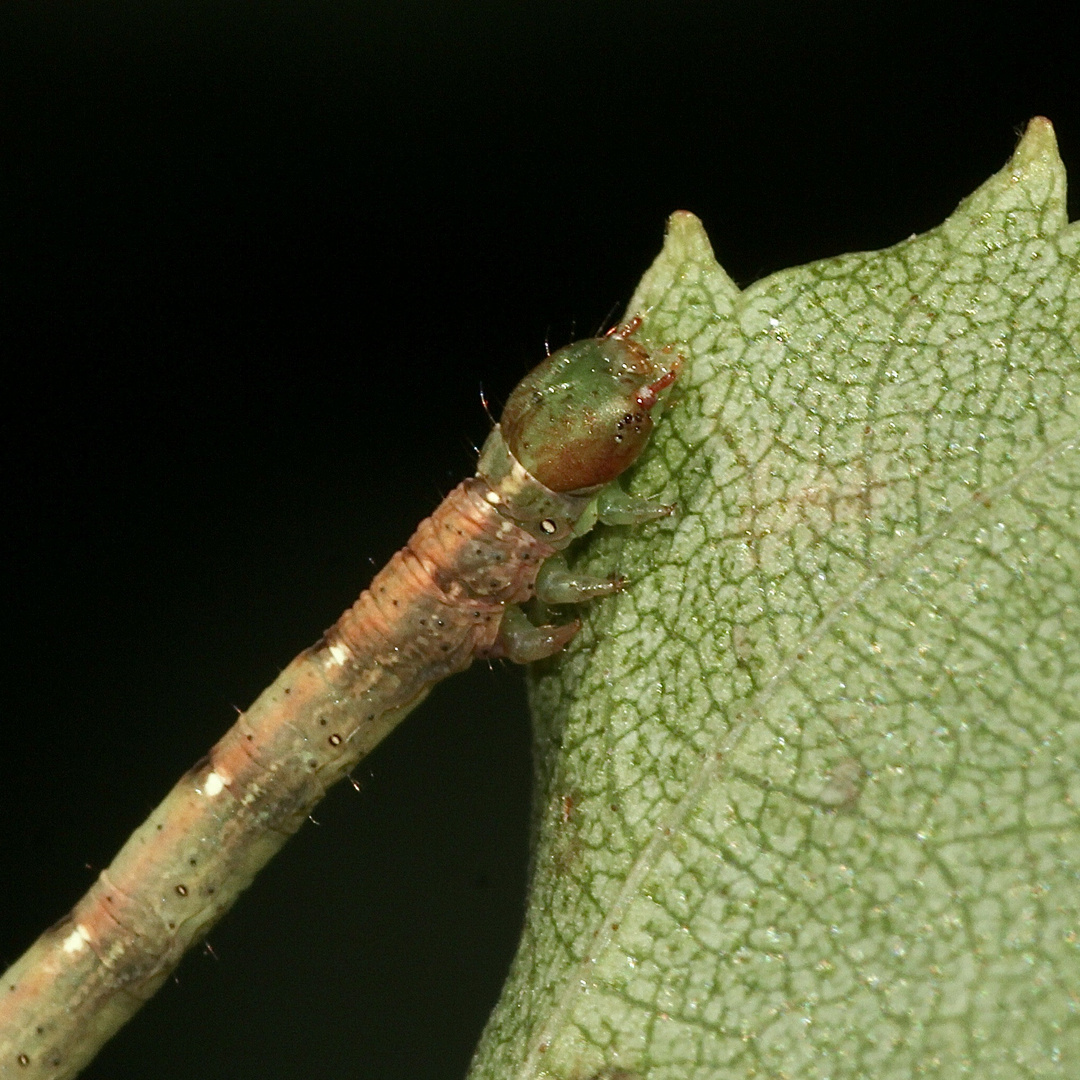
[807, 791]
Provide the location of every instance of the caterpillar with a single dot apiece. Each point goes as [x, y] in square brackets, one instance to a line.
[547, 473]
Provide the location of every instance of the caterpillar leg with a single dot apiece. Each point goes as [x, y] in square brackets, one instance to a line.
[614, 506]
[519, 640]
[556, 583]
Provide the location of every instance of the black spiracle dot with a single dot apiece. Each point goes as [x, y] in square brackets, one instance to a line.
[23, 1060]
[181, 890]
[334, 740]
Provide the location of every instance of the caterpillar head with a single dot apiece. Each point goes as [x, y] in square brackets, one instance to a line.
[584, 415]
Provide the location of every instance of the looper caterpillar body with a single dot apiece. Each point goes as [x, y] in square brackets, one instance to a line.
[545, 476]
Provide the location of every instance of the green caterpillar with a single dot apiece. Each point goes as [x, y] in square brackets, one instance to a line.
[546, 475]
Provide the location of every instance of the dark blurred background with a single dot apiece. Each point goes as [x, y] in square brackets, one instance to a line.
[256, 262]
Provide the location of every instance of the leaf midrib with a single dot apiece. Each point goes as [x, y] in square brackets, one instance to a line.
[712, 762]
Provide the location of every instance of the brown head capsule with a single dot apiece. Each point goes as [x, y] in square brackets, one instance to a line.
[583, 416]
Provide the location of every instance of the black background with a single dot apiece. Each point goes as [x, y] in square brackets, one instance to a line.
[256, 261]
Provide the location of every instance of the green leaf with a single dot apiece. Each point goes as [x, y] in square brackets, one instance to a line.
[808, 789]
